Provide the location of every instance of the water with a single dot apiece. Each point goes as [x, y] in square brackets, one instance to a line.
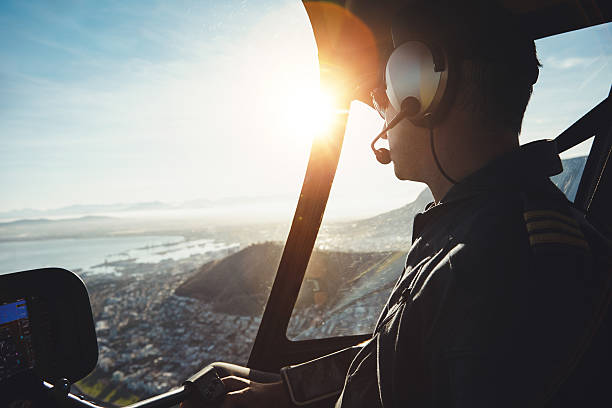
[179, 250]
[84, 253]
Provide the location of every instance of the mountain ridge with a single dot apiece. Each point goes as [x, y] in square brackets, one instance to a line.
[30, 221]
[253, 269]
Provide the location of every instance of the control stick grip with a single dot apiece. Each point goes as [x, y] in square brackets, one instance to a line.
[207, 384]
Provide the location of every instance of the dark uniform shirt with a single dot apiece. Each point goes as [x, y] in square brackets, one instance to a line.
[502, 283]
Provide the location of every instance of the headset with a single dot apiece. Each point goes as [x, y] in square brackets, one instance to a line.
[419, 79]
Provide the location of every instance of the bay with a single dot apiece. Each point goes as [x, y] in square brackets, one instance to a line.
[81, 254]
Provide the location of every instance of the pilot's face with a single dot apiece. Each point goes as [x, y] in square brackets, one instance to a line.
[409, 146]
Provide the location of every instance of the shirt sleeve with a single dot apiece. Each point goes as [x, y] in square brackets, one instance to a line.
[319, 379]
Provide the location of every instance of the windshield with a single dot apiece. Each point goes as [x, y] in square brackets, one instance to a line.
[367, 228]
[157, 149]
[143, 144]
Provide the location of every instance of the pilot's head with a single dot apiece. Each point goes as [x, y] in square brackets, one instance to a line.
[486, 66]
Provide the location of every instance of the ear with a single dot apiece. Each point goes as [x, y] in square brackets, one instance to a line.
[417, 70]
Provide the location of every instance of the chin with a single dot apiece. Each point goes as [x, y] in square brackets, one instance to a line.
[402, 174]
[406, 173]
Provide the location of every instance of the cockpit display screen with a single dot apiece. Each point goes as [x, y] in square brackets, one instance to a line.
[16, 352]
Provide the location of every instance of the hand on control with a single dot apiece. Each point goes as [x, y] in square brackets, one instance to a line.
[244, 393]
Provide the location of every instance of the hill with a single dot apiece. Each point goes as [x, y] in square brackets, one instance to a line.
[252, 272]
[389, 231]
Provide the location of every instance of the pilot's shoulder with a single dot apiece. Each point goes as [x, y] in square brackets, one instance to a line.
[527, 223]
[495, 220]
[553, 225]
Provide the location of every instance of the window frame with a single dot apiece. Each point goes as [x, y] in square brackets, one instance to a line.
[272, 348]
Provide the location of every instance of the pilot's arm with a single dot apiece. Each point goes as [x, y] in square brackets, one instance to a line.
[242, 392]
[301, 384]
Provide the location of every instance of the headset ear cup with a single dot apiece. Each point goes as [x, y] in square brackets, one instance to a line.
[412, 71]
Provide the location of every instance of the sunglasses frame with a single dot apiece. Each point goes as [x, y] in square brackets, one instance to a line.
[380, 101]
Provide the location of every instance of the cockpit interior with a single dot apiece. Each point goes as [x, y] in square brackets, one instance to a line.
[49, 338]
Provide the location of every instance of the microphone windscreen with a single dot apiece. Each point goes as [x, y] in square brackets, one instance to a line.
[383, 156]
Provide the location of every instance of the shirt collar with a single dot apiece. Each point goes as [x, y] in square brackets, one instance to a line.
[529, 165]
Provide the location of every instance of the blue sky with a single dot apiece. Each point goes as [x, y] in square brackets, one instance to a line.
[104, 102]
[148, 101]
[576, 75]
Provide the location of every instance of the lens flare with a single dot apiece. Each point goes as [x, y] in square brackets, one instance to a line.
[313, 113]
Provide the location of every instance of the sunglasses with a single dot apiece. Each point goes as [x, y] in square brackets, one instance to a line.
[380, 101]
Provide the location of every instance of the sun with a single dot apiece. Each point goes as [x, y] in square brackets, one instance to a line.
[312, 113]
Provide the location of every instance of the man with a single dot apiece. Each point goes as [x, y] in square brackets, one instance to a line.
[499, 301]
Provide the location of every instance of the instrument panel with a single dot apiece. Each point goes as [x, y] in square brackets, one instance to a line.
[16, 346]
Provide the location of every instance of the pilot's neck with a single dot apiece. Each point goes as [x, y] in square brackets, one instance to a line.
[462, 153]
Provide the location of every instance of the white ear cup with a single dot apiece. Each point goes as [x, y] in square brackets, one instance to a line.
[410, 73]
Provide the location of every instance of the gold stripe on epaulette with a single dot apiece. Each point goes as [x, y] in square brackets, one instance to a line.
[557, 238]
[529, 215]
[553, 225]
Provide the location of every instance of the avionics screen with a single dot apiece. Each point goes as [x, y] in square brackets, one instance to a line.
[16, 354]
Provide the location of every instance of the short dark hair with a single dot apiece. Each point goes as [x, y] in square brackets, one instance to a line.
[498, 64]
[495, 92]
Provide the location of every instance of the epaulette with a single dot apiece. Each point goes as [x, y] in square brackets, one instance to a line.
[552, 226]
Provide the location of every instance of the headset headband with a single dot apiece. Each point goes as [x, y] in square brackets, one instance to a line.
[468, 29]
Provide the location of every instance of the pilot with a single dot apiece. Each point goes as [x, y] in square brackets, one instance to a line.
[501, 299]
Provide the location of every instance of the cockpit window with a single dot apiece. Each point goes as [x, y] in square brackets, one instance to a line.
[157, 149]
[366, 231]
[576, 76]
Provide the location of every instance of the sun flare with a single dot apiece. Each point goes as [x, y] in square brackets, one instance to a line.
[312, 113]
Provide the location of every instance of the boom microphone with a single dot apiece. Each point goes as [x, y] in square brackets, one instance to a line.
[410, 106]
[382, 155]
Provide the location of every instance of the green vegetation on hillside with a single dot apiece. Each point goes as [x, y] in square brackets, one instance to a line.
[96, 386]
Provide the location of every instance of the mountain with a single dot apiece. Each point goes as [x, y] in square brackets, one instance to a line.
[569, 180]
[39, 221]
[81, 209]
[390, 231]
[90, 209]
[252, 273]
